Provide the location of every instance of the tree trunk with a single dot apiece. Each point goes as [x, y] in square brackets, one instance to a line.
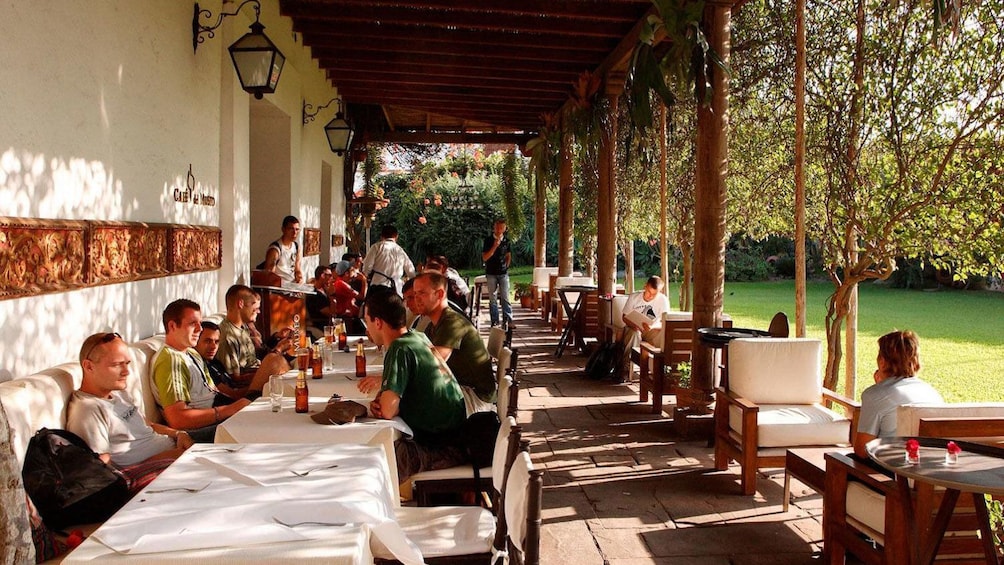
[686, 272]
[800, 168]
[836, 314]
[627, 249]
[663, 204]
[540, 222]
[566, 209]
[851, 323]
[710, 202]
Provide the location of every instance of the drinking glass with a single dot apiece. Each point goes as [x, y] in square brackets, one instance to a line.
[329, 334]
[303, 358]
[275, 392]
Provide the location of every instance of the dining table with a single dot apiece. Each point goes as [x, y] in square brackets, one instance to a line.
[258, 503]
[257, 423]
[977, 470]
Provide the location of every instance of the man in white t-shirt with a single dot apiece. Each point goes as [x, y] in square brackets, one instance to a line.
[283, 255]
[103, 414]
[387, 263]
[643, 319]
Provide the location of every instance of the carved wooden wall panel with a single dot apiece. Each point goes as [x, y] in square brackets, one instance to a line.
[39, 256]
[311, 242]
[122, 252]
[196, 248]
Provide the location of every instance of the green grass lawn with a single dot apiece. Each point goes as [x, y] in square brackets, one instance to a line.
[961, 342]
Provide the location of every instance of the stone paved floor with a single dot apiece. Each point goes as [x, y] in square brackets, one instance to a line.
[622, 488]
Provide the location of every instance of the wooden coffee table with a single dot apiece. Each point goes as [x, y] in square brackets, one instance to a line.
[808, 465]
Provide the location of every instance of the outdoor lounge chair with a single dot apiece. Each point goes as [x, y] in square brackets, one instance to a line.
[775, 401]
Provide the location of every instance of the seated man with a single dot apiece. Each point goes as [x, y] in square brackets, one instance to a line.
[415, 385]
[238, 348]
[182, 387]
[320, 304]
[103, 414]
[455, 338]
[207, 346]
[651, 303]
[456, 288]
[896, 384]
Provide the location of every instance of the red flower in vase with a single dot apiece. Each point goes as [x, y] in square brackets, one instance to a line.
[912, 446]
[953, 448]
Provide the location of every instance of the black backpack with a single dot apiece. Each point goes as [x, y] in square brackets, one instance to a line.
[67, 481]
[604, 361]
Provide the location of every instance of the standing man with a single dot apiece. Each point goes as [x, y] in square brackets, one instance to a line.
[283, 255]
[454, 337]
[416, 385]
[386, 262]
[238, 350]
[497, 257]
[182, 387]
[103, 414]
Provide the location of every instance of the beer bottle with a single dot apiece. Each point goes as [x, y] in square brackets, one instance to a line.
[302, 395]
[360, 360]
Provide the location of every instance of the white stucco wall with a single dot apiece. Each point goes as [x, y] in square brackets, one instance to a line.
[104, 107]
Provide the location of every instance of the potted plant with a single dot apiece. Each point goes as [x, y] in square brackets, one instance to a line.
[521, 291]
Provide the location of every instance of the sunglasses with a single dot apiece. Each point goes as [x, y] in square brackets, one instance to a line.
[104, 339]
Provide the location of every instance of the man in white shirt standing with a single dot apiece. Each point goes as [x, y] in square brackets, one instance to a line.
[283, 255]
[387, 264]
[643, 319]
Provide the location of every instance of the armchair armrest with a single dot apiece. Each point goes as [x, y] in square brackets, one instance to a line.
[840, 463]
[853, 409]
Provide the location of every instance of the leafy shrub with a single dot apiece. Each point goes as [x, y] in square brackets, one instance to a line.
[784, 266]
[744, 267]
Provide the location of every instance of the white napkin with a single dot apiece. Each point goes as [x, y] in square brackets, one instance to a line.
[228, 472]
[383, 528]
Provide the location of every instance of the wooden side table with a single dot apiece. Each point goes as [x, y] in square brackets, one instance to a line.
[808, 465]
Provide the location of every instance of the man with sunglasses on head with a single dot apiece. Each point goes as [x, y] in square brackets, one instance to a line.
[104, 415]
[182, 386]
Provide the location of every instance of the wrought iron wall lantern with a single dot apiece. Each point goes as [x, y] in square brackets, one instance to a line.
[338, 130]
[257, 60]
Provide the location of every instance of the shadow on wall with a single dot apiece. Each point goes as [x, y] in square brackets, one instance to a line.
[42, 331]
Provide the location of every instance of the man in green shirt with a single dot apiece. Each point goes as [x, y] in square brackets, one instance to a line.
[417, 386]
[455, 338]
[240, 342]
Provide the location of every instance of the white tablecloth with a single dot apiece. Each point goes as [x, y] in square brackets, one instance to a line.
[251, 507]
[256, 423]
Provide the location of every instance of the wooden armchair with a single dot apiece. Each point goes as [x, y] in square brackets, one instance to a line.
[676, 347]
[540, 285]
[860, 501]
[775, 401]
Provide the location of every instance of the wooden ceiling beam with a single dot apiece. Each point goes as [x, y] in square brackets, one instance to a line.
[564, 78]
[505, 87]
[453, 19]
[402, 98]
[411, 35]
[339, 47]
[449, 77]
[472, 90]
[447, 137]
[458, 62]
[588, 10]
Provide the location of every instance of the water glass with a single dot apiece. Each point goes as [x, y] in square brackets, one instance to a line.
[275, 392]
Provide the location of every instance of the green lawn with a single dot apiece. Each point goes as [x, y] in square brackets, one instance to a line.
[961, 334]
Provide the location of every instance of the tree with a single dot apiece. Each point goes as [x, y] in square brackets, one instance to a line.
[900, 136]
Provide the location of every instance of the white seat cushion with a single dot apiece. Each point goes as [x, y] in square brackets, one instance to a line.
[866, 510]
[617, 310]
[458, 472]
[791, 425]
[776, 370]
[444, 530]
[542, 276]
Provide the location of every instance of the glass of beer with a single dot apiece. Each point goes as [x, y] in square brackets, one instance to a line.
[303, 358]
[329, 334]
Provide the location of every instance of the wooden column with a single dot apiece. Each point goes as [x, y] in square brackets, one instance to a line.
[566, 208]
[800, 169]
[663, 201]
[606, 212]
[709, 217]
[540, 221]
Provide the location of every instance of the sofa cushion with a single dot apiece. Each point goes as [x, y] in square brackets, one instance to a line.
[786, 425]
[617, 310]
[908, 416]
[776, 370]
[866, 510]
[37, 401]
[140, 386]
